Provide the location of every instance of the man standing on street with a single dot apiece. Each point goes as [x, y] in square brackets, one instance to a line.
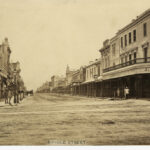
[126, 92]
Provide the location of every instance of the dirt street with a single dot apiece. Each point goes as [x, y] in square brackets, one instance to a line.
[48, 119]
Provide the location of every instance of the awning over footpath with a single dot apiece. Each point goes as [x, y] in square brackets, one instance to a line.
[99, 79]
[89, 81]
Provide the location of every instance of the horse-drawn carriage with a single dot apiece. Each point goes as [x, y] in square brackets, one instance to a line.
[30, 92]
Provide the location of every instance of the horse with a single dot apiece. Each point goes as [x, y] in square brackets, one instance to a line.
[6, 96]
[10, 95]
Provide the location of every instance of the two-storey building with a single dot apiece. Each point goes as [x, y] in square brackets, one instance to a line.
[92, 73]
[69, 73]
[78, 77]
[4, 65]
[128, 59]
[58, 83]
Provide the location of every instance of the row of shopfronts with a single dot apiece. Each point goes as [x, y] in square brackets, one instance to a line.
[112, 84]
[124, 63]
[139, 86]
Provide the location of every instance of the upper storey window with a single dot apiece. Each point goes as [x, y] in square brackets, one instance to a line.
[114, 49]
[121, 42]
[145, 29]
[125, 40]
[129, 37]
[87, 74]
[134, 35]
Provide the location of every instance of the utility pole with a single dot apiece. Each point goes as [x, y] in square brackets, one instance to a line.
[15, 87]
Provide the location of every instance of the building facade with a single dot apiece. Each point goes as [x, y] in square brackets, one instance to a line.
[69, 74]
[45, 88]
[15, 82]
[54, 80]
[78, 78]
[126, 59]
[58, 84]
[85, 80]
[124, 62]
[91, 78]
[4, 65]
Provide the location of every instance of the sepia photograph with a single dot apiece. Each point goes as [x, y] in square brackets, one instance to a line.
[74, 73]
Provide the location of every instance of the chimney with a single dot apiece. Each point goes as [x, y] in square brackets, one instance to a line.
[90, 62]
[5, 41]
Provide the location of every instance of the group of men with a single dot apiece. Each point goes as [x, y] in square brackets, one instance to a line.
[126, 92]
[10, 92]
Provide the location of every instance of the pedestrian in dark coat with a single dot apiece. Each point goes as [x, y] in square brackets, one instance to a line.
[6, 95]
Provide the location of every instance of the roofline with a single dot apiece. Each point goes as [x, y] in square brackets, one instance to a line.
[133, 23]
[94, 63]
[104, 48]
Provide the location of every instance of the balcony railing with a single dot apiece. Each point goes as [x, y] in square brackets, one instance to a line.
[128, 63]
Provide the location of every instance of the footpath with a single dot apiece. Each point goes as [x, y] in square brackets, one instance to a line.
[98, 98]
[2, 102]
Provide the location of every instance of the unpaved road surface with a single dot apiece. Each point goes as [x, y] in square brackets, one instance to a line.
[48, 119]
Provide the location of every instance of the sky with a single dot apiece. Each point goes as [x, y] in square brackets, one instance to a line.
[46, 35]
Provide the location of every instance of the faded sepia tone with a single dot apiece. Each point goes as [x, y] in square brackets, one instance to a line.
[74, 72]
